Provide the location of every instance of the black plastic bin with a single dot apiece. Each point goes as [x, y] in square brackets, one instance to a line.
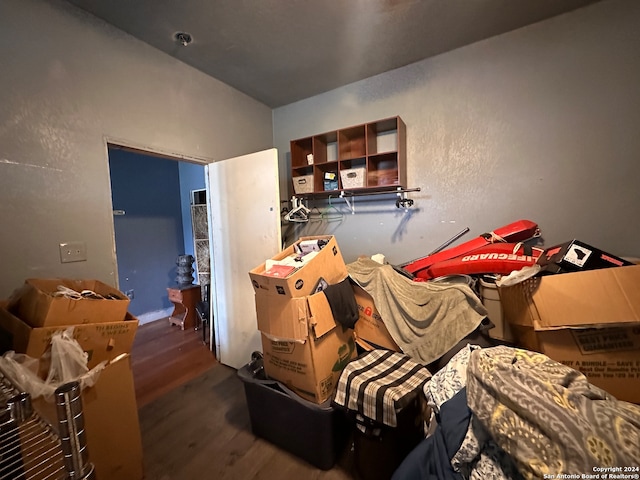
[317, 433]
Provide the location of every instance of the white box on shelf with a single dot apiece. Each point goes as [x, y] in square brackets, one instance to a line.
[303, 184]
[353, 177]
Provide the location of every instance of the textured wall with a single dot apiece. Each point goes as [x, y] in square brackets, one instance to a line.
[69, 82]
[540, 123]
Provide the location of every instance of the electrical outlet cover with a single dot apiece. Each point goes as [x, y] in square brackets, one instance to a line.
[73, 252]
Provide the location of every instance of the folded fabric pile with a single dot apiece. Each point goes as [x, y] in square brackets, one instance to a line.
[508, 413]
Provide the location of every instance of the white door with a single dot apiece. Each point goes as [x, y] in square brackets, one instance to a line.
[244, 231]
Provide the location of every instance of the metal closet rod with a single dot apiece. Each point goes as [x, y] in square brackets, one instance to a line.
[400, 192]
[345, 193]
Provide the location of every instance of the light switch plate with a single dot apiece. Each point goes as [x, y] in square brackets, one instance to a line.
[73, 252]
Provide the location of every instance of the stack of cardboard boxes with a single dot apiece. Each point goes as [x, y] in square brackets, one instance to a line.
[584, 312]
[303, 345]
[105, 331]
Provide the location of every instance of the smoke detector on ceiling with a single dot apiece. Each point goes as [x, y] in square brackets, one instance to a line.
[183, 38]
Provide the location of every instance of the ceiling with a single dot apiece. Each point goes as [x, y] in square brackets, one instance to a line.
[282, 51]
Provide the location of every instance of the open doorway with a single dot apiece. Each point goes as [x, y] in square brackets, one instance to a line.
[244, 231]
[152, 198]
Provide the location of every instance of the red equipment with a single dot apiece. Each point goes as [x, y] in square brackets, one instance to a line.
[500, 258]
[497, 256]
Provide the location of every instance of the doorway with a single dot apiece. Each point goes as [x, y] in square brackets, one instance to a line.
[151, 198]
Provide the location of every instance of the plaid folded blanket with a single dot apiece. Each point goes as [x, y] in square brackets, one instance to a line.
[379, 384]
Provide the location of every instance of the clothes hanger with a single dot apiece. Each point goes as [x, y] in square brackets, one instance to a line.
[315, 215]
[299, 212]
[332, 213]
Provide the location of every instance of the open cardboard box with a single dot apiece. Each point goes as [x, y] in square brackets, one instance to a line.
[327, 264]
[35, 304]
[303, 346]
[587, 320]
[101, 341]
[111, 422]
[370, 330]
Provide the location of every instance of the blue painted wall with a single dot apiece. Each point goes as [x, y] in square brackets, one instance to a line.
[191, 178]
[149, 237]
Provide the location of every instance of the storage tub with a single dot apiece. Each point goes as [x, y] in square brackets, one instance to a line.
[491, 300]
[313, 432]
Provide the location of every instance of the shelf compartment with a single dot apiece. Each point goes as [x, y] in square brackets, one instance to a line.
[353, 173]
[326, 177]
[303, 184]
[304, 170]
[352, 142]
[383, 170]
[325, 147]
[302, 179]
[299, 151]
[353, 178]
[384, 136]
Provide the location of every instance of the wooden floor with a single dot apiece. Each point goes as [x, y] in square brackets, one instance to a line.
[164, 357]
[194, 418]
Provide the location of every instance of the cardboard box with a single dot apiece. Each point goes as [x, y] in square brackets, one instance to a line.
[101, 341]
[327, 264]
[303, 346]
[111, 422]
[575, 256]
[35, 304]
[588, 320]
[370, 330]
[330, 181]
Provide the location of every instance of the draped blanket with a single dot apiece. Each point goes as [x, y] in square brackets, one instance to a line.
[425, 319]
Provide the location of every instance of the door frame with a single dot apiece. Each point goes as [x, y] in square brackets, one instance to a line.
[132, 146]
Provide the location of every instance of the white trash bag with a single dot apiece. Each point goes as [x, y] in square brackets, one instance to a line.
[68, 363]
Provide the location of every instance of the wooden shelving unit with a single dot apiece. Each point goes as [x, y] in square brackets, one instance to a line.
[361, 158]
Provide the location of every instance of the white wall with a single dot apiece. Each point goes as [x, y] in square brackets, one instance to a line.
[541, 123]
[68, 82]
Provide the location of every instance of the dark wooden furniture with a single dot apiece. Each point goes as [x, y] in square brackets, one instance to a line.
[367, 157]
[184, 299]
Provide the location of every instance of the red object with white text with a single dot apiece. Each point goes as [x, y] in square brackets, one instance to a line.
[518, 231]
[498, 258]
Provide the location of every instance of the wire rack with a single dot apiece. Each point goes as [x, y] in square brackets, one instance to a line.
[30, 448]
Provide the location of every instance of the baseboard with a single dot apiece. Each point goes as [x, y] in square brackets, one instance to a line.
[153, 316]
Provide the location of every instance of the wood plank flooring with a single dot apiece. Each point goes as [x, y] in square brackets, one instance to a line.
[164, 357]
[199, 427]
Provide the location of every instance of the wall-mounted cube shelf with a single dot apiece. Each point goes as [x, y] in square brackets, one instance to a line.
[368, 157]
